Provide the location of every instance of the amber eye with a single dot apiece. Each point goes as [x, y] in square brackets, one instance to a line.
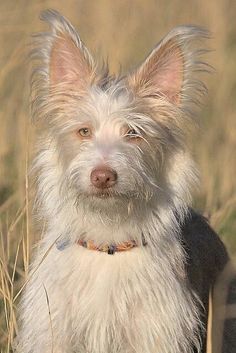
[84, 132]
[132, 132]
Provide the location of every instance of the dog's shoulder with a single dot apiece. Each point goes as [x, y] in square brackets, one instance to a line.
[206, 255]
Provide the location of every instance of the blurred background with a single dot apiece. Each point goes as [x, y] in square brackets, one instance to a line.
[123, 31]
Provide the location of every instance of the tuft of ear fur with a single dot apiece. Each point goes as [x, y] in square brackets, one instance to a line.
[169, 70]
[62, 63]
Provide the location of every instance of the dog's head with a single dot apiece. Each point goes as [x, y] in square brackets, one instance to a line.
[116, 138]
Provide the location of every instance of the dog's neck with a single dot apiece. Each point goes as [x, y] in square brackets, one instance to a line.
[152, 224]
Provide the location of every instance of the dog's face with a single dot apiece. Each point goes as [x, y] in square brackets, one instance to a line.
[105, 151]
[114, 136]
[109, 147]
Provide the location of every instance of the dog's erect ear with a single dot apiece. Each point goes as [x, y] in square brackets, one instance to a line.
[68, 62]
[166, 71]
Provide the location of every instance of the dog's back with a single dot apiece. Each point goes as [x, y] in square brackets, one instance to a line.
[206, 260]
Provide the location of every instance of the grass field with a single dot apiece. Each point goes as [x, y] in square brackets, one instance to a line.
[124, 31]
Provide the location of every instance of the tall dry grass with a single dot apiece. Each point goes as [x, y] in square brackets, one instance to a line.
[124, 31]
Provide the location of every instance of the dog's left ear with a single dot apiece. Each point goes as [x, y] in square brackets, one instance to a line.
[168, 70]
[67, 62]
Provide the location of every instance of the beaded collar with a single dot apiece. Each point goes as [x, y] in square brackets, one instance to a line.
[112, 248]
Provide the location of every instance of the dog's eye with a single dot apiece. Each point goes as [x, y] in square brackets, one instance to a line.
[84, 132]
[132, 133]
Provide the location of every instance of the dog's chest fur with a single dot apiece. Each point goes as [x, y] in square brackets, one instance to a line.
[122, 303]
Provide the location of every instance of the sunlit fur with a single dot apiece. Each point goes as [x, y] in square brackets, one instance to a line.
[83, 301]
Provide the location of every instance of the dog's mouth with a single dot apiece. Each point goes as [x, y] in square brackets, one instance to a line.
[110, 193]
[104, 194]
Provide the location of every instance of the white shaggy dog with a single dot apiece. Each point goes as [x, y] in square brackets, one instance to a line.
[124, 264]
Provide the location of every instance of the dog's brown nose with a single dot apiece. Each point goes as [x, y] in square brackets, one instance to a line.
[103, 178]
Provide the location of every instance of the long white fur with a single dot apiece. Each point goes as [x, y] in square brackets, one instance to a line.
[84, 301]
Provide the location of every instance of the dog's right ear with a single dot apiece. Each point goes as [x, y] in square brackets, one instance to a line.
[170, 70]
[66, 61]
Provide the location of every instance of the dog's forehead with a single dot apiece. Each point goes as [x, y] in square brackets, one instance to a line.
[111, 103]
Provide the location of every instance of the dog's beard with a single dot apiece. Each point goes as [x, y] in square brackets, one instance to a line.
[109, 203]
[136, 187]
[108, 198]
